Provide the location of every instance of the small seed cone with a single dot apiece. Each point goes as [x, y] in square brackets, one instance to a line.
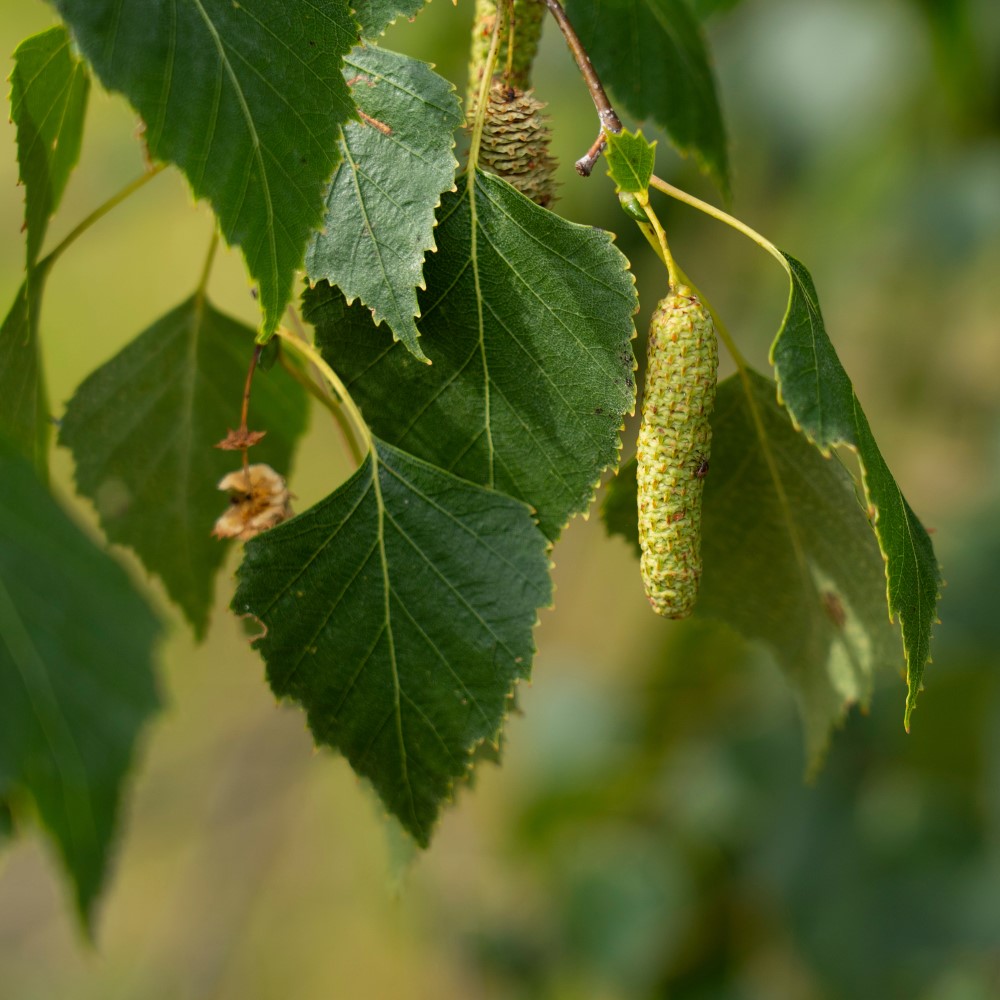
[675, 438]
[515, 143]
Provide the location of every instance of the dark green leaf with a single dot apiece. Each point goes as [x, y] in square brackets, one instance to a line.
[380, 209]
[630, 160]
[48, 101]
[76, 680]
[704, 9]
[399, 613]
[246, 98]
[48, 97]
[789, 556]
[142, 429]
[375, 16]
[24, 408]
[813, 385]
[652, 55]
[528, 320]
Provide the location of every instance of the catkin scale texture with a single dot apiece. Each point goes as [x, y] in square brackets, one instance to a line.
[515, 143]
[675, 438]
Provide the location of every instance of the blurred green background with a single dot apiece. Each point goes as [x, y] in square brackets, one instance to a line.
[649, 834]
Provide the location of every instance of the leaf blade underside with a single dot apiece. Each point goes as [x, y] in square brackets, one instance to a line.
[820, 398]
[789, 556]
[380, 213]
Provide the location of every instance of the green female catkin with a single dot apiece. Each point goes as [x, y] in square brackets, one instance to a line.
[674, 442]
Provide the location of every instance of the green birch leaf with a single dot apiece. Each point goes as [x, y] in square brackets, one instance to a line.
[246, 98]
[24, 408]
[630, 158]
[76, 678]
[48, 101]
[789, 556]
[528, 321]
[142, 429]
[380, 209]
[398, 612]
[652, 55]
[48, 97]
[375, 16]
[704, 9]
[813, 385]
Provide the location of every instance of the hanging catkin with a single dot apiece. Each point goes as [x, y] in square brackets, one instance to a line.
[674, 441]
[515, 143]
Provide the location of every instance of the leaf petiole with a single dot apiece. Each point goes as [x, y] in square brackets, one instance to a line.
[330, 404]
[306, 350]
[719, 215]
[484, 89]
[113, 202]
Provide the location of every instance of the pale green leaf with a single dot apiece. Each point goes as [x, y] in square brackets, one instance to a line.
[375, 16]
[76, 680]
[630, 158]
[528, 321]
[813, 385]
[246, 98]
[380, 209]
[48, 102]
[398, 612]
[789, 556]
[142, 429]
[652, 55]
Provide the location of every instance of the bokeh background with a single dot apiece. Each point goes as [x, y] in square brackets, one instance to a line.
[649, 834]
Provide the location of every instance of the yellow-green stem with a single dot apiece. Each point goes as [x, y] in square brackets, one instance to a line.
[101, 211]
[310, 354]
[343, 425]
[717, 213]
[206, 270]
[484, 87]
[661, 237]
[742, 367]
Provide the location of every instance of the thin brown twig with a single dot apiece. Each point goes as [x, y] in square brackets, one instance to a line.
[585, 164]
[245, 412]
[610, 121]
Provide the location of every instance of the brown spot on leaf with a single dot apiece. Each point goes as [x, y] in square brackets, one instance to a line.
[834, 609]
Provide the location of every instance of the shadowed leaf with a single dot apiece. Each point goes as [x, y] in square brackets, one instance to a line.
[813, 385]
[143, 429]
[76, 680]
[789, 556]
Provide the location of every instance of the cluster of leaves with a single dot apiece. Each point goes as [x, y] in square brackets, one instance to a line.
[399, 610]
